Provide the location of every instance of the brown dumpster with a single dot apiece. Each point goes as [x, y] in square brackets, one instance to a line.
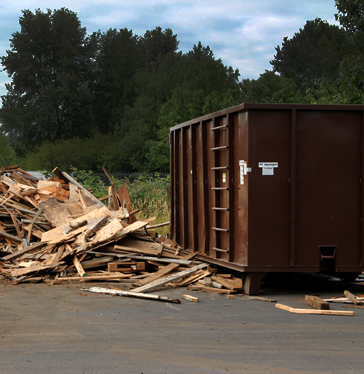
[271, 188]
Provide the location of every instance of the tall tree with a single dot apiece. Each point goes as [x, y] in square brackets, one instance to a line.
[117, 60]
[312, 54]
[348, 85]
[49, 63]
[271, 88]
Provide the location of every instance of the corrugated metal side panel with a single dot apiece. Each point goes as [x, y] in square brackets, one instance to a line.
[329, 193]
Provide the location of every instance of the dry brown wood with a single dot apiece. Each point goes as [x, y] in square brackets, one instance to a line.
[159, 274]
[94, 278]
[351, 297]
[78, 266]
[234, 285]
[20, 253]
[209, 289]
[317, 303]
[11, 237]
[31, 269]
[190, 298]
[160, 282]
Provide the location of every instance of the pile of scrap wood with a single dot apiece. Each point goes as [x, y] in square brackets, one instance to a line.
[56, 231]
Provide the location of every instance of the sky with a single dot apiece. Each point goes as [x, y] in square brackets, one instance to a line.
[242, 33]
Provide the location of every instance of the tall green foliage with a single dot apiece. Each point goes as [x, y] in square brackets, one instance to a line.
[49, 63]
[312, 54]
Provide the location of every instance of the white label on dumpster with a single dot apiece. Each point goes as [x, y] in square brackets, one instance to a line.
[241, 168]
[268, 167]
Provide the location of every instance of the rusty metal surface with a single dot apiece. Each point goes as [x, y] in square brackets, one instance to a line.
[271, 187]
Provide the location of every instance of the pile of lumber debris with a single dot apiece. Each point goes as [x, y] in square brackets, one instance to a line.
[57, 231]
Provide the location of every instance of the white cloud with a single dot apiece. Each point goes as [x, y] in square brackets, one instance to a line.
[243, 33]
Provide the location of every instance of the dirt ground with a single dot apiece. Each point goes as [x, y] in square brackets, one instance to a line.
[63, 329]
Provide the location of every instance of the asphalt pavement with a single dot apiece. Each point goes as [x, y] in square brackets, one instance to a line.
[62, 329]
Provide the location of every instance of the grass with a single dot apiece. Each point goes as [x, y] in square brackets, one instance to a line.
[149, 194]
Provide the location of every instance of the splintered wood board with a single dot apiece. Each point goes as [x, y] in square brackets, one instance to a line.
[160, 282]
[159, 274]
[59, 232]
[108, 232]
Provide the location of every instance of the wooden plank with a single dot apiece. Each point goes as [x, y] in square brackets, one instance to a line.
[31, 269]
[111, 291]
[18, 254]
[190, 298]
[78, 266]
[192, 278]
[159, 274]
[60, 231]
[160, 282]
[134, 249]
[96, 262]
[108, 232]
[342, 300]
[11, 237]
[317, 303]
[315, 311]
[234, 286]
[32, 222]
[169, 260]
[59, 254]
[258, 298]
[209, 289]
[95, 278]
[351, 297]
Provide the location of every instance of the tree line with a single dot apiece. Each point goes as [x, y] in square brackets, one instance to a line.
[109, 98]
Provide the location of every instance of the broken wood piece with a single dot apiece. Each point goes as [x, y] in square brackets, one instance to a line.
[190, 298]
[231, 284]
[11, 237]
[111, 291]
[20, 253]
[78, 266]
[32, 222]
[31, 269]
[315, 311]
[209, 289]
[95, 278]
[159, 274]
[160, 282]
[351, 297]
[84, 190]
[317, 303]
[258, 298]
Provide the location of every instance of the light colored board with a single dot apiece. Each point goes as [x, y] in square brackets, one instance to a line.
[111, 291]
[108, 232]
[31, 269]
[209, 289]
[315, 311]
[231, 285]
[190, 298]
[95, 278]
[160, 282]
[60, 231]
[160, 273]
[81, 272]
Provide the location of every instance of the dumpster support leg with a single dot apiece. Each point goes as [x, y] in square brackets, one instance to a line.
[251, 282]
